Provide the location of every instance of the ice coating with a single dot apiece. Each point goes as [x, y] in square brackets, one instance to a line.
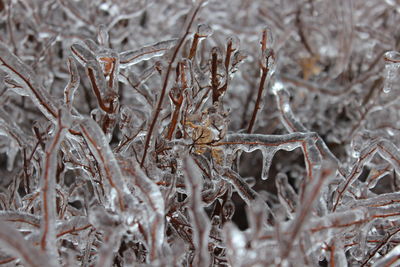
[22, 74]
[277, 145]
[204, 30]
[198, 216]
[102, 152]
[133, 57]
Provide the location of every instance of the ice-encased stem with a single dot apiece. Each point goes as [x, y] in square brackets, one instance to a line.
[151, 194]
[102, 152]
[132, 57]
[24, 75]
[201, 223]
[48, 225]
[14, 243]
[72, 85]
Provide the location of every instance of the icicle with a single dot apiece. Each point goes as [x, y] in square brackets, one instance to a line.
[251, 142]
[268, 155]
[339, 254]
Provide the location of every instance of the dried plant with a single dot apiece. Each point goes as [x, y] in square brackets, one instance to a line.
[186, 133]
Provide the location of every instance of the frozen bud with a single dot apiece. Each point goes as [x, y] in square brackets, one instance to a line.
[268, 59]
[267, 39]
[216, 220]
[238, 58]
[102, 35]
[216, 51]
[392, 60]
[228, 209]
[204, 30]
[233, 42]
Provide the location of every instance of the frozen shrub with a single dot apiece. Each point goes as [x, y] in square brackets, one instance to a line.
[186, 133]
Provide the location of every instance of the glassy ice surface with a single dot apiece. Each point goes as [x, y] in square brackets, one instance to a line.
[199, 133]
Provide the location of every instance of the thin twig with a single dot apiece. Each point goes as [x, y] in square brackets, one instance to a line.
[165, 84]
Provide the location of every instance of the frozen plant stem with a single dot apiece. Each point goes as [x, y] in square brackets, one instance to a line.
[177, 101]
[264, 73]
[155, 164]
[48, 238]
[189, 23]
[99, 147]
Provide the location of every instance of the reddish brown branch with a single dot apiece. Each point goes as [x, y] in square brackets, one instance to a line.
[214, 78]
[193, 48]
[165, 84]
[177, 101]
[264, 73]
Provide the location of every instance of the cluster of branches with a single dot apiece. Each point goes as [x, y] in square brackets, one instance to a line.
[141, 157]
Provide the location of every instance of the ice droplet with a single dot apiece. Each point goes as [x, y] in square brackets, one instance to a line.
[204, 30]
[277, 87]
[356, 154]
